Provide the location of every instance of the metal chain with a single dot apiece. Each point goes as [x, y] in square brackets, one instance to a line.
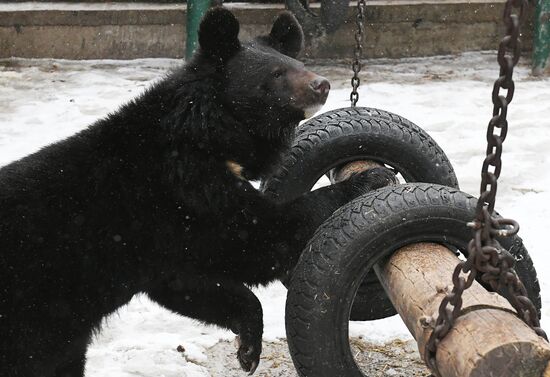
[356, 65]
[486, 257]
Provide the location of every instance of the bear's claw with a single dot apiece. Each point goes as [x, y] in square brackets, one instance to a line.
[253, 368]
[248, 356]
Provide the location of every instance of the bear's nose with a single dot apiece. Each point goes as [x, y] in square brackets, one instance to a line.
[321, 86]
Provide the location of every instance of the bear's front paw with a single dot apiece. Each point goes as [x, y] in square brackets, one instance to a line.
[373, 179]
[250, 348]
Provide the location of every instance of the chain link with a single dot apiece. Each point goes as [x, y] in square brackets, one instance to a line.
[356, 65]
[486, 258]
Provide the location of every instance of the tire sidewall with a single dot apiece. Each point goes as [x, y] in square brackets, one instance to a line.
[339, 257]
[345, 135]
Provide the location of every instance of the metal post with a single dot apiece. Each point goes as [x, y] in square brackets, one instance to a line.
[195, 10]
[541, 50]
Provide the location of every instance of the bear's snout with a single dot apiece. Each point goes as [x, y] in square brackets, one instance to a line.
[310, 91]
[321, 87]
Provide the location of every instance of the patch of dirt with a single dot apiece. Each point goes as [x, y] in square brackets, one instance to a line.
[396, 359]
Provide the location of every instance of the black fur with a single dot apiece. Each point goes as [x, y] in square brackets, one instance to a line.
[286, 35]
[219, 35]
[143, 201]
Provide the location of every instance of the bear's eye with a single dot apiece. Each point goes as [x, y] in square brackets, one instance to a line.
[278, 73]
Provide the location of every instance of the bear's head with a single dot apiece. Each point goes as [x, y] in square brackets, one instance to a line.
[264, 86]
[263, 73]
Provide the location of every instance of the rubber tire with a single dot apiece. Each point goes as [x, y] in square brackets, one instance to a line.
[338, 136]
[345, 248]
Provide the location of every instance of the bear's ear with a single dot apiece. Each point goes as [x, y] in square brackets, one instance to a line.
[287, 35]
[219, 33]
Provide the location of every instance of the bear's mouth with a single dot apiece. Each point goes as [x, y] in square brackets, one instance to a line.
[309, 111]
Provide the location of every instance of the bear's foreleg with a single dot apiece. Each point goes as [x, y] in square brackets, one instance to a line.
[217, 301]
[281, 231]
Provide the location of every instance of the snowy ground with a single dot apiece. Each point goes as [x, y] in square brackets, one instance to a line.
[44, 100]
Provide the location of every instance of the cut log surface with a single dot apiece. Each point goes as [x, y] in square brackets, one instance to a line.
[354, 167]
[487, 340]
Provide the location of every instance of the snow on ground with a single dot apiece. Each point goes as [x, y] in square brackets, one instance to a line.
[45, 100]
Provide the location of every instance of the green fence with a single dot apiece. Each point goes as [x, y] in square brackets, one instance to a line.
[195, 11]
[541, 41]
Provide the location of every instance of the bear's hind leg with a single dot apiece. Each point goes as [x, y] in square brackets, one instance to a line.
[73, 360]
[73, 368]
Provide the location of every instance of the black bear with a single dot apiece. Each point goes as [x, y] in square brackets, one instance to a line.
[155, 198]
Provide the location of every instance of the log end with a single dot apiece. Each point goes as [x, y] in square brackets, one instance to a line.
[500, 345]
[526, 359]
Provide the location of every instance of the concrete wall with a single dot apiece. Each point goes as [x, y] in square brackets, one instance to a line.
[86, 31]
[420, 29]
[395, 28]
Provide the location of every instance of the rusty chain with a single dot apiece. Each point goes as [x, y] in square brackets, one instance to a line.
[486, 257]
[356, 65]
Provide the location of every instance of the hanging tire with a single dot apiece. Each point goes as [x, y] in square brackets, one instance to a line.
[345, 248]
[339, 136]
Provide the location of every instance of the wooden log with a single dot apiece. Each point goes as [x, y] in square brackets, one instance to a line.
[488, 340]
[344, 172]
